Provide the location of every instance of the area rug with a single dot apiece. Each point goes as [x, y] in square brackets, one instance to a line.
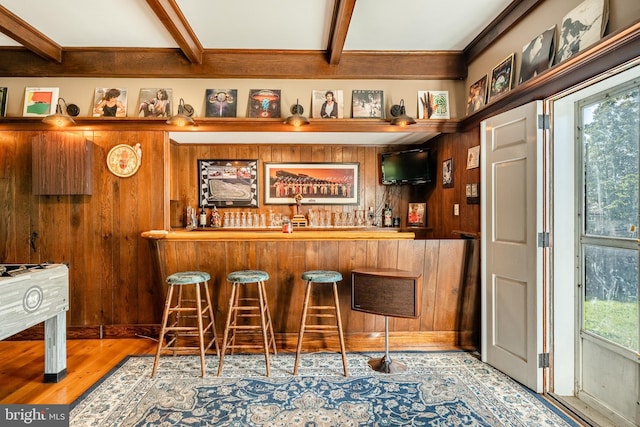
[437, 389]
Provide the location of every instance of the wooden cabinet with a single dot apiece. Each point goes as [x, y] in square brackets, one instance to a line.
[61, 164]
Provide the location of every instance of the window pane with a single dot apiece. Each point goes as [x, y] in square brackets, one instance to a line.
[610, 141]
[611, 294]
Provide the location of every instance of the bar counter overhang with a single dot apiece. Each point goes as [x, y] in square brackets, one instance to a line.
[449, 268]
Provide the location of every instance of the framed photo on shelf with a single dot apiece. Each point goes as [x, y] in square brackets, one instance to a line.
[227, 183]
[264, 103]
[317, 183]
[416, 214]
[155, 102]
[501, 78]
[4, 91]
[438, 104]
[110, 102]
[477, 95]
[327, 104]
[537, 55]
[447, 173]
[220, 102]
[40, 101]
[367, 104]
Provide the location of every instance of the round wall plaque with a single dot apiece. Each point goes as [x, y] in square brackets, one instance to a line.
[123, 160]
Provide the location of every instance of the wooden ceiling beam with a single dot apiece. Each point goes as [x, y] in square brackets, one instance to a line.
[176, 24]
[339, 29]
[20, 31]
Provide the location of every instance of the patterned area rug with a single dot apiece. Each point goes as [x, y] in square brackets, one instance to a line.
[437, 389]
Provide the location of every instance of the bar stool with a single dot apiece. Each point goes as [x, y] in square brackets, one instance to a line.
[248, 308]
[174, 316]
[320, 311]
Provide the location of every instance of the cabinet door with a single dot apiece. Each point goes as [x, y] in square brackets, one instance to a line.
[61, 164]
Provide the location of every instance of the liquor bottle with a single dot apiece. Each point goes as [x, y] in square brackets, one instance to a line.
[387, 216]
[203, 217]
[215, 218]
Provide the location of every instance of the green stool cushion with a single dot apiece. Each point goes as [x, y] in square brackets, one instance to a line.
[321, 276]
[248, 276]
[188, 277]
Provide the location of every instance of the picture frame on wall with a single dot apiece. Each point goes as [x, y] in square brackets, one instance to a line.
[477, 97]
[581, 27]
[264, 103]
[221, 102]
[416, 214]
[155, 102]
[317, 183]
[367, 104]
[537, 55]
[327, 104]
[40, 101]
[4, 92]
[473, 157]
[447, 173]
[110, 102]
[501, 78]
[226, 183]
[434, 103]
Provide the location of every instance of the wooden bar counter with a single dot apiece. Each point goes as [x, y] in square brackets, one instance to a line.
[450, 312]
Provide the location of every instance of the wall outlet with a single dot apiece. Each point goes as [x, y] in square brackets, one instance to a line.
[456, 209]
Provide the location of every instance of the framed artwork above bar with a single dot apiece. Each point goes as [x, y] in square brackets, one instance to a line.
[227, 183]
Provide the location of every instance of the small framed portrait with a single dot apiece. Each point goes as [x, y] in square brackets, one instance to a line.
[155, 102]
[327, 104]
[537, 55]
[367, 104]
[40, 101]
[228, 183]
[264, 103]
[447, 173]
[110, 102]
[416, 214]
[473, 157]
[220, 102]
[433, 104]
[501, 78]
[477, 95]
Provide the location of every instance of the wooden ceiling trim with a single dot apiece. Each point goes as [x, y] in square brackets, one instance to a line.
[272, 64]
[340, 27]
[515, 12]
[176, 24]
[20, 31]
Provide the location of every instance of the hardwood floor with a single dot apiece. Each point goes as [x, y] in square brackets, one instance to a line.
[22, 368]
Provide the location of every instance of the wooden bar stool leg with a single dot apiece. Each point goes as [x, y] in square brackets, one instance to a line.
[303, 321]
[200, 326]
[340, 333]
[272, 341]
[211, 319]
[263, 322]
[165, 317]
[226, 327]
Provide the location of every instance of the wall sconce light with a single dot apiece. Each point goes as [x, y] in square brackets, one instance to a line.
[297, 119]
[400, 115]
[60, 119]
[183, 118]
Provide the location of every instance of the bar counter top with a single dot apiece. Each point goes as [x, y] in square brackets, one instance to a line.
[222, 234]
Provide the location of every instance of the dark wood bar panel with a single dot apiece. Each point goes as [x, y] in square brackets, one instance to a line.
[449, 269]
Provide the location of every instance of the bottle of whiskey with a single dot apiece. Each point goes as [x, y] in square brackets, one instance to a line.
[203, 217]
[387, 216]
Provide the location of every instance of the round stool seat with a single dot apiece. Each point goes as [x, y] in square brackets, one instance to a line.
[248, 276]
[188, 277]
[322, 276]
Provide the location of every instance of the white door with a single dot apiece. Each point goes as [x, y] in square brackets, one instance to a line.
[511, 218]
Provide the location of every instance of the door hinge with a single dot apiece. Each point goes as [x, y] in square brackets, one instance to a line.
[543, 239]
[543, 121]
[543, 360]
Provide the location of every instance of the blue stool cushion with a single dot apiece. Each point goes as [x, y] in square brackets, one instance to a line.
[321, 276]
[188, 277]
[248, 276]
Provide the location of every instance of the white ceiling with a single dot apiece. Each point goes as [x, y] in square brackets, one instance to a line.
[379, 25]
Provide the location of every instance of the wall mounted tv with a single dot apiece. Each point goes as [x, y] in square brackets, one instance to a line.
[406, 167]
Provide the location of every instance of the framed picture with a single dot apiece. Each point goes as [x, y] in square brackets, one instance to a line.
[473, 157]
[110, 102]
[327, 104]
[537, 55]
[155, 102]
[473, 196]
[40, 101]
[220, 102]
[447, 173]
[501, 78]
[437, 104]
[228, 183]
[3, 101]
[367, 104]
[477, 95]
[317, 183]
[264, 103]
[581, 27]
[416, 214]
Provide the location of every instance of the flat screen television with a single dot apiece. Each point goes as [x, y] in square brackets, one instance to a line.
[406, 167]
